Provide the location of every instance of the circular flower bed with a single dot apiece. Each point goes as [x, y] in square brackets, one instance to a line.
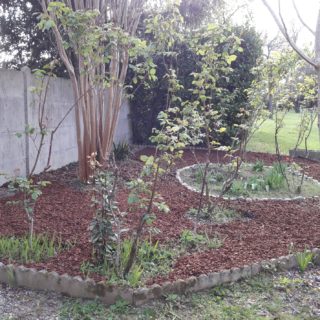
[255, 181]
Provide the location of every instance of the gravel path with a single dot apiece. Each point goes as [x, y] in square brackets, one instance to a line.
[21, 304]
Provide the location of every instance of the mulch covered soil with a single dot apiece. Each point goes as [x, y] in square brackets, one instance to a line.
[65, 210]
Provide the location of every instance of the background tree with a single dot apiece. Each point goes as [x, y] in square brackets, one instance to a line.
[313, 59]
[24, 44]
[21, 41]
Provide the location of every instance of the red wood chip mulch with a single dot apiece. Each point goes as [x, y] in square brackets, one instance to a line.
[65, 210]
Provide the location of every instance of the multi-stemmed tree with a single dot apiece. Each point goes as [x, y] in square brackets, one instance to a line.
[95, 41]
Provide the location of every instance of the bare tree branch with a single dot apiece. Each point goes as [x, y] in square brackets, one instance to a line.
[300, 18]
[235, 11]
[285, 33]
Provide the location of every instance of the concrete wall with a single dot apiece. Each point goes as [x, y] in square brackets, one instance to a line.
[19, 107]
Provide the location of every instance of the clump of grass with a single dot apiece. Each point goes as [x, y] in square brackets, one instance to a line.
[238, 188]
[21, 250]
[304, 259]
[275, 178]
[192, 239]
[151, 260]
[258, 166]
[215, 214]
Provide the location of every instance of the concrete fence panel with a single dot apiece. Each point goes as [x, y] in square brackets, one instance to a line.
[19, 108]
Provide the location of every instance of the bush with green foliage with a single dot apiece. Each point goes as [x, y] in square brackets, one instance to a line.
[149, 100]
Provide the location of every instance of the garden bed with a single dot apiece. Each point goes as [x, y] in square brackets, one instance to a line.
[254, 181]
[64, 210]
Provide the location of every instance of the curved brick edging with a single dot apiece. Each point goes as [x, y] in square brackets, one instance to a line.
[79, 288]
[178, 176]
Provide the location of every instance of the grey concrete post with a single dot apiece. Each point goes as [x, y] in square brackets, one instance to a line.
[26, 83]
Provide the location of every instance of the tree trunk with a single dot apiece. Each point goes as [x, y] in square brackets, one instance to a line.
[270, 105]
[317, 56]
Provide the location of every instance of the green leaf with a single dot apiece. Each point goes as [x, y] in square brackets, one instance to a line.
[133, 199]
[231, 58]
[163, 207]
[48, 24]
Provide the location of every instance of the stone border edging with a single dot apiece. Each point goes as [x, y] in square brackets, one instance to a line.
[30, 278]
[312, 155]
[178, 177]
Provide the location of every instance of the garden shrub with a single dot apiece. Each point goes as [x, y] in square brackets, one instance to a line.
[149, 100]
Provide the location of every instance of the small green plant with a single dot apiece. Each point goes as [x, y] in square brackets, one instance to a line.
[191, 239]
[120, 307]
[154, 259]
[20, 249]
[31, 192]
[238, 189]
[275, 178]
[105, 227]
[204, 213]
[148, 251]
[134, 276]
[256, 184]
[211, 175]
[198, 174]
[216, 214]
[151, 260]
[121, 151]
[258, 166]
[304, 259]
[113, 274]
[219, 177]
[287, 283]
[172, 298]
[214, 242]
[77, 310]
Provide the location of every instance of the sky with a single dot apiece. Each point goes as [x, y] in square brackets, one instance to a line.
[264, 22]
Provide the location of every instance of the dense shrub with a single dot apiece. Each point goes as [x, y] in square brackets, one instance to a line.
[149, 101]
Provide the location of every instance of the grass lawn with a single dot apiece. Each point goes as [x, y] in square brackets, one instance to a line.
[263, 140]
